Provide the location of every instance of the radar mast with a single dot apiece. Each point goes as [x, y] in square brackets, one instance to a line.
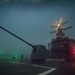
[59, 28]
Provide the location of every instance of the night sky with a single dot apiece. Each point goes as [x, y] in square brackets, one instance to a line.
[31, 20]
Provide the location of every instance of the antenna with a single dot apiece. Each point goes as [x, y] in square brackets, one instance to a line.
[59, 28]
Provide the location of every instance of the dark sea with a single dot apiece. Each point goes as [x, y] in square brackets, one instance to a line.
[11, 56]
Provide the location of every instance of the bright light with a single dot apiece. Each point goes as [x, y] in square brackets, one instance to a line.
[59, 24]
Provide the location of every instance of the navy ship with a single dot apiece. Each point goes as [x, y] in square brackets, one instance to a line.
[62, 46]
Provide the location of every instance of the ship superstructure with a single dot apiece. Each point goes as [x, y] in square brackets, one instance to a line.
[62, 45]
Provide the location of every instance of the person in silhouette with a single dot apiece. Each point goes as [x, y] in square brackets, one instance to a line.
[22, 57]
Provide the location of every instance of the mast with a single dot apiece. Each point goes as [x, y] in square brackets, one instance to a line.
[60, 29]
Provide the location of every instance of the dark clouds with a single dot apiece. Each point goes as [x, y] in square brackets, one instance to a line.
[64, 2]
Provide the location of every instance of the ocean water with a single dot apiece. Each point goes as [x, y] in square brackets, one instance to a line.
[10, 56]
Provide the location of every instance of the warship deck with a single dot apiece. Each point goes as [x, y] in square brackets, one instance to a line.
[22, 68]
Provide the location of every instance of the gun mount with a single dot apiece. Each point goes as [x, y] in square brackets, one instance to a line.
[38, 52]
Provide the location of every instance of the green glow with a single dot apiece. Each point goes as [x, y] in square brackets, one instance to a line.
[15, 55]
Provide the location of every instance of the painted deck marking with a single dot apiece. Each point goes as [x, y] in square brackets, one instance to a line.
[44, 73]
[47, 72]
